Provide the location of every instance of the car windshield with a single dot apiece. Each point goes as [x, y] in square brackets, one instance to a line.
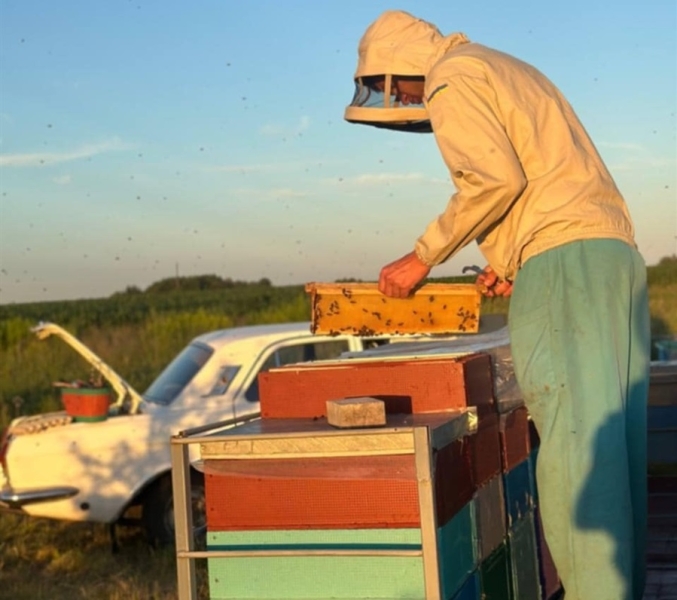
[177, 374]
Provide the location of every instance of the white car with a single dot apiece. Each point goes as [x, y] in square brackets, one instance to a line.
[53, 466]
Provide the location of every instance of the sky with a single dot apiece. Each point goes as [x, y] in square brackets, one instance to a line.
[144, 139]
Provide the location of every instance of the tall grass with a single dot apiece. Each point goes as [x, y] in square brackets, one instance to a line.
[663, 309]
[50, 560]
[29, 367]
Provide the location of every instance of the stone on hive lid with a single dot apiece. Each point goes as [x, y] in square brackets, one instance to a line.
[356, 412]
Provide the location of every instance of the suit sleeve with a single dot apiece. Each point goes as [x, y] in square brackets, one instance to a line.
[482, 162]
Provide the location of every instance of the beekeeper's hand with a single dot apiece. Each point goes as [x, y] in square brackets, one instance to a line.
[399, 278]
[491, 285]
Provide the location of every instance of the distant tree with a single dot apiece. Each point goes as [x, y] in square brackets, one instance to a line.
[164, 285]
[665, 272]
[208, 282]
[185, 284]
[202, 283]
[130, 290]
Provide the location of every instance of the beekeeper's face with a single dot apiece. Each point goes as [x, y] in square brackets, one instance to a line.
[393, 56]
[391, 101]
[407, 90]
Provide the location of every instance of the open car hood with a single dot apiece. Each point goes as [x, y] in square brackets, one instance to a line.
[124, 391]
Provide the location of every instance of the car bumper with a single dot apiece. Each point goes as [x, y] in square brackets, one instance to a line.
[15, 499]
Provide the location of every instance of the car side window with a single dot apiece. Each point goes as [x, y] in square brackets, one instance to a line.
[295, 354]
[226, 375]
[330, 350]
[375, 342]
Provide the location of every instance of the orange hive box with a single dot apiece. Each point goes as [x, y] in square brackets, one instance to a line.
[360, 309]
[485, 450]
[406, 385]
[515, 437]
[352, 492]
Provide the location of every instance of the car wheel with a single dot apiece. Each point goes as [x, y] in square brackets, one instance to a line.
[158, 511]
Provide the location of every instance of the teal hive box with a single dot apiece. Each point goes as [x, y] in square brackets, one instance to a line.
[519, 491]
[471, 589]
[458, 557]
[349, 577]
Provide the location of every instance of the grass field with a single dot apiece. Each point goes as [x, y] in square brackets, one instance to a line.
[42, 559]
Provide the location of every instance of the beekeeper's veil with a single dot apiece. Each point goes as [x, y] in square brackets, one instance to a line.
[396, 44]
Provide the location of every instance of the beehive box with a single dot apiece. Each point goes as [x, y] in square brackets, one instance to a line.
[519, 487]
[337, 493]
[490, 518]
[387, 563]
[484, 449]
[360, 309]
[312, 479]
[288, 497]
[495, 575]
[550, 584]
[515, 437]
[405, 385]
[524, 565]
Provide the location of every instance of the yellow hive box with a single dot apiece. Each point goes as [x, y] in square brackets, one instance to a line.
[360, 309]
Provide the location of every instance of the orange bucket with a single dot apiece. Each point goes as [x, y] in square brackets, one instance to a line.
[86, 404]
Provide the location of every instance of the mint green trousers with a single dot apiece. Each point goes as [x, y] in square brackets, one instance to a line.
[580, 340]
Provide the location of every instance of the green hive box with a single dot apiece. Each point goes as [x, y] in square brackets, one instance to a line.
[458, 557]
[316, 577]
[349, 577]
[495, 575]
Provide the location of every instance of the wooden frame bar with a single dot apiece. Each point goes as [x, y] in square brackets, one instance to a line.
[426, 500]
[183, 522]
[360, 309]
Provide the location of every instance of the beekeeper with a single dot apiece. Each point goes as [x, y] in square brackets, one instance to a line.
[557, 236]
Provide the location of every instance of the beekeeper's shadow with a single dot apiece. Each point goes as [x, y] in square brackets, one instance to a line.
[617, 486]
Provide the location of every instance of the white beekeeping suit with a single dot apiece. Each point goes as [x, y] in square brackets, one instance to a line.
[495, 119]
[533, 191]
